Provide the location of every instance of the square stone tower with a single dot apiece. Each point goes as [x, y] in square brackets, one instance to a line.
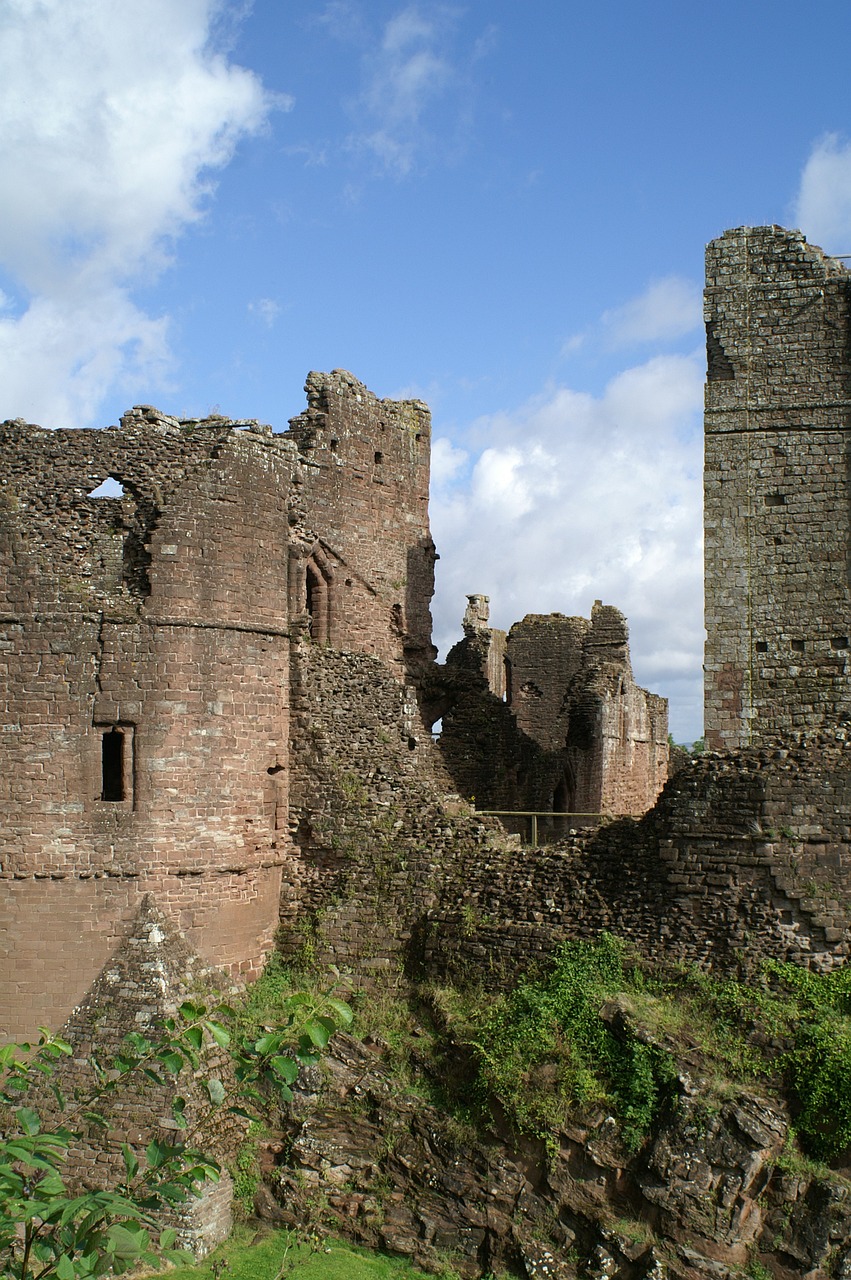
[777, 519]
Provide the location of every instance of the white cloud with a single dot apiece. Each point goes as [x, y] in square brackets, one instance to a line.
[446, 462]
[266, 309]
[668, 308]
[112, 118]
[823, 204]
[578, 498]
[406, 74]
[59, 358]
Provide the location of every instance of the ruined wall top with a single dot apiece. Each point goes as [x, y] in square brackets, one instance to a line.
[775, 310]
[68, 528]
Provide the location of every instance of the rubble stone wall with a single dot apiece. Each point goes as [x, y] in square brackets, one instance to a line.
[374, 816]
[744, 857]
[777, 501]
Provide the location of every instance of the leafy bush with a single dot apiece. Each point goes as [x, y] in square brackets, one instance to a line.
[818, 1062]
[544, 1046]
[46, 1229]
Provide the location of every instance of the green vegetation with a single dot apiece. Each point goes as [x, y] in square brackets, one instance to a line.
[543, 1048]
[278, 1254]
[48, 1229]
[600, 1030]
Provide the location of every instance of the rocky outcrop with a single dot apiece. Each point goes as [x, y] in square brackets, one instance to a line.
[709, 1192]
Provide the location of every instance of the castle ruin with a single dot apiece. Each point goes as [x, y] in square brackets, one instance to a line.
[548, 717]
[181, 651]
[158, 582]
[777, 496]
[218, 686]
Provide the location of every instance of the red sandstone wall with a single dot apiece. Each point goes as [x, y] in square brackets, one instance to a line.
[365, 488]
[193, 669]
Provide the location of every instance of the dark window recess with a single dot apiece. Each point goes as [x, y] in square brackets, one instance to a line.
[839, 642]
[112, 765]
[798, 646]
[379, 458]
[775, 499]
[333, 446]
[761, 646]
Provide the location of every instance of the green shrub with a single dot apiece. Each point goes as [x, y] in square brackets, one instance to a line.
[544, 1046]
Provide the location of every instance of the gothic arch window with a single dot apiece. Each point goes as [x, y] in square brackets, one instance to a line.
[313, 591]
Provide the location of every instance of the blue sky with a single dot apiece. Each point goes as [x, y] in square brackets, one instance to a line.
[499, 207]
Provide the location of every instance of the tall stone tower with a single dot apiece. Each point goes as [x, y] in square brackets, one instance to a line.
[777, 518]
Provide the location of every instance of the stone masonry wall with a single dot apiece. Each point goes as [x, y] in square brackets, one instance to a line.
[777, 501]
[573, 731]
[375, 818]
[365, 486]
[144, 655]
[159, 618]
[744, 856]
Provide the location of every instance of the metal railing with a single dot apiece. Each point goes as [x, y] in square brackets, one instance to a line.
[535, 814]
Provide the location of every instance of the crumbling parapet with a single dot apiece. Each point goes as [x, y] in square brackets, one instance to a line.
[777, 501]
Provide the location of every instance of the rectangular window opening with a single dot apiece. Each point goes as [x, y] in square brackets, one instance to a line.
[798, 646]
[116, 763]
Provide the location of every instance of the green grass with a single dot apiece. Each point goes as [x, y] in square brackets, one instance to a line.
[250, 1258]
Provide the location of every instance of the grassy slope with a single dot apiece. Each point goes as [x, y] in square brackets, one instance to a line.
[266, 1256]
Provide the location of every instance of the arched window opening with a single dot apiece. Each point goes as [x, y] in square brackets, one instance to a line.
[563, 802]
[319, 597]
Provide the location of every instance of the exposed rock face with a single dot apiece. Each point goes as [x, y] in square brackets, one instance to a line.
[702, 1197]
[706, 1170]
